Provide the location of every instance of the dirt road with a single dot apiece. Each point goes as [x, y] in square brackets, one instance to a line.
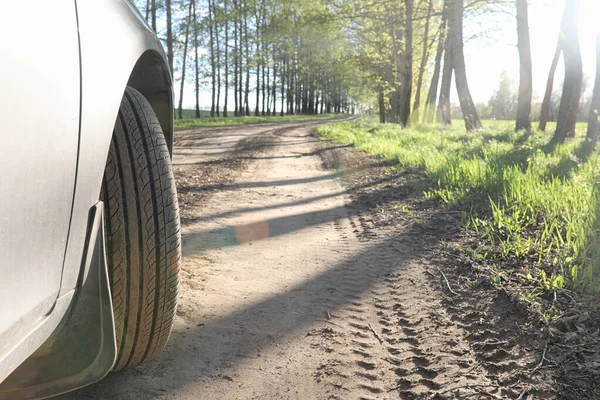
[286, 294]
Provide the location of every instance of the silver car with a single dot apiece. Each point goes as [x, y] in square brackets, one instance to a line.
[90, 245]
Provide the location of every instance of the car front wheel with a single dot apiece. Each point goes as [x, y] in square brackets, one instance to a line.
[142, 231]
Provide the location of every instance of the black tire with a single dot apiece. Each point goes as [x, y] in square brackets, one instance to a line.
[142, 229]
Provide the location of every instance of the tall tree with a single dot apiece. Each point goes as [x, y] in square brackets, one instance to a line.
[185, 53]
[218, 56]
[226, 45]
[213, 64]
[545, 113]
[169, 35]
[258, 19]
[147, 14]
[467, 105]
[408, 69]
[153, 12]
[247, 55]
[274, 87]
[381, 105]
[592, 130]
[263, 85]
[444, 102]
[569, 103]
[240, 89]
[424, 59]
[283, 74]
[236, 56]
[396, 69]
[433, 87]
[526, 68]
[197, 62]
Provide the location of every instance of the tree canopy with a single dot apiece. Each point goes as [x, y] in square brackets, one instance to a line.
[399, 58]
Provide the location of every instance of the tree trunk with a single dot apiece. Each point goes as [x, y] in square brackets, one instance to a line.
[433, 87]
[236, 105]
[169, 36]
[444, 102]
[460, 73]
[218, 51]
[258, 60]
[268, 90]
[283, 73]
[393, 112]
[423, 66]
[381, 101]
[549, 86]
[197, 66]
[322, 103]
[247, 48]
[153, 12]
[213, 72]
[526, 69]
[304, 95]
[298, 85]
[569, 102]
[240, 55]
[185, 48]
[264, 83]
[226, 16]
[290, 91]
[274, 89]
[592, 129]
[408, 73]
[311, 98]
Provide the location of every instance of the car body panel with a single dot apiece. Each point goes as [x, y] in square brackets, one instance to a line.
[29, 343]
[116, 48]
[40, 121]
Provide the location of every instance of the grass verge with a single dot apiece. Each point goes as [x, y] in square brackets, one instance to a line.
[220, 121]
[534, 207]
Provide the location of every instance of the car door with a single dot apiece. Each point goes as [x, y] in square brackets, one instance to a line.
[39, 130]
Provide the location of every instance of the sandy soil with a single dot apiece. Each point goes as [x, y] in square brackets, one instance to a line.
[288, 293]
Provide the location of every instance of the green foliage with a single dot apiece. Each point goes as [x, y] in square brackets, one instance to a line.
[535, 204]
[194, 123]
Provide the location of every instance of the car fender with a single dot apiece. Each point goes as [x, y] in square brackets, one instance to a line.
[118, 49]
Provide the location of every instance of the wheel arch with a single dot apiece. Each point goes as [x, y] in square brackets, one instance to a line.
[150, 76]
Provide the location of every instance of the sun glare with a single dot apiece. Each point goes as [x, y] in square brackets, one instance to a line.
[489, 56]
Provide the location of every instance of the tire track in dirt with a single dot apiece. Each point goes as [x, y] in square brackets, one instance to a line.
[394, 340]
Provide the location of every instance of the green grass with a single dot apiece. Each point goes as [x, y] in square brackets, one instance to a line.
[535, 204]
[220, 121]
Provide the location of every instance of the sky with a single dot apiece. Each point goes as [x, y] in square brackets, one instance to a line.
[487, 56]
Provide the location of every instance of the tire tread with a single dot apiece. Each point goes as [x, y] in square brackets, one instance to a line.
[143, 233]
